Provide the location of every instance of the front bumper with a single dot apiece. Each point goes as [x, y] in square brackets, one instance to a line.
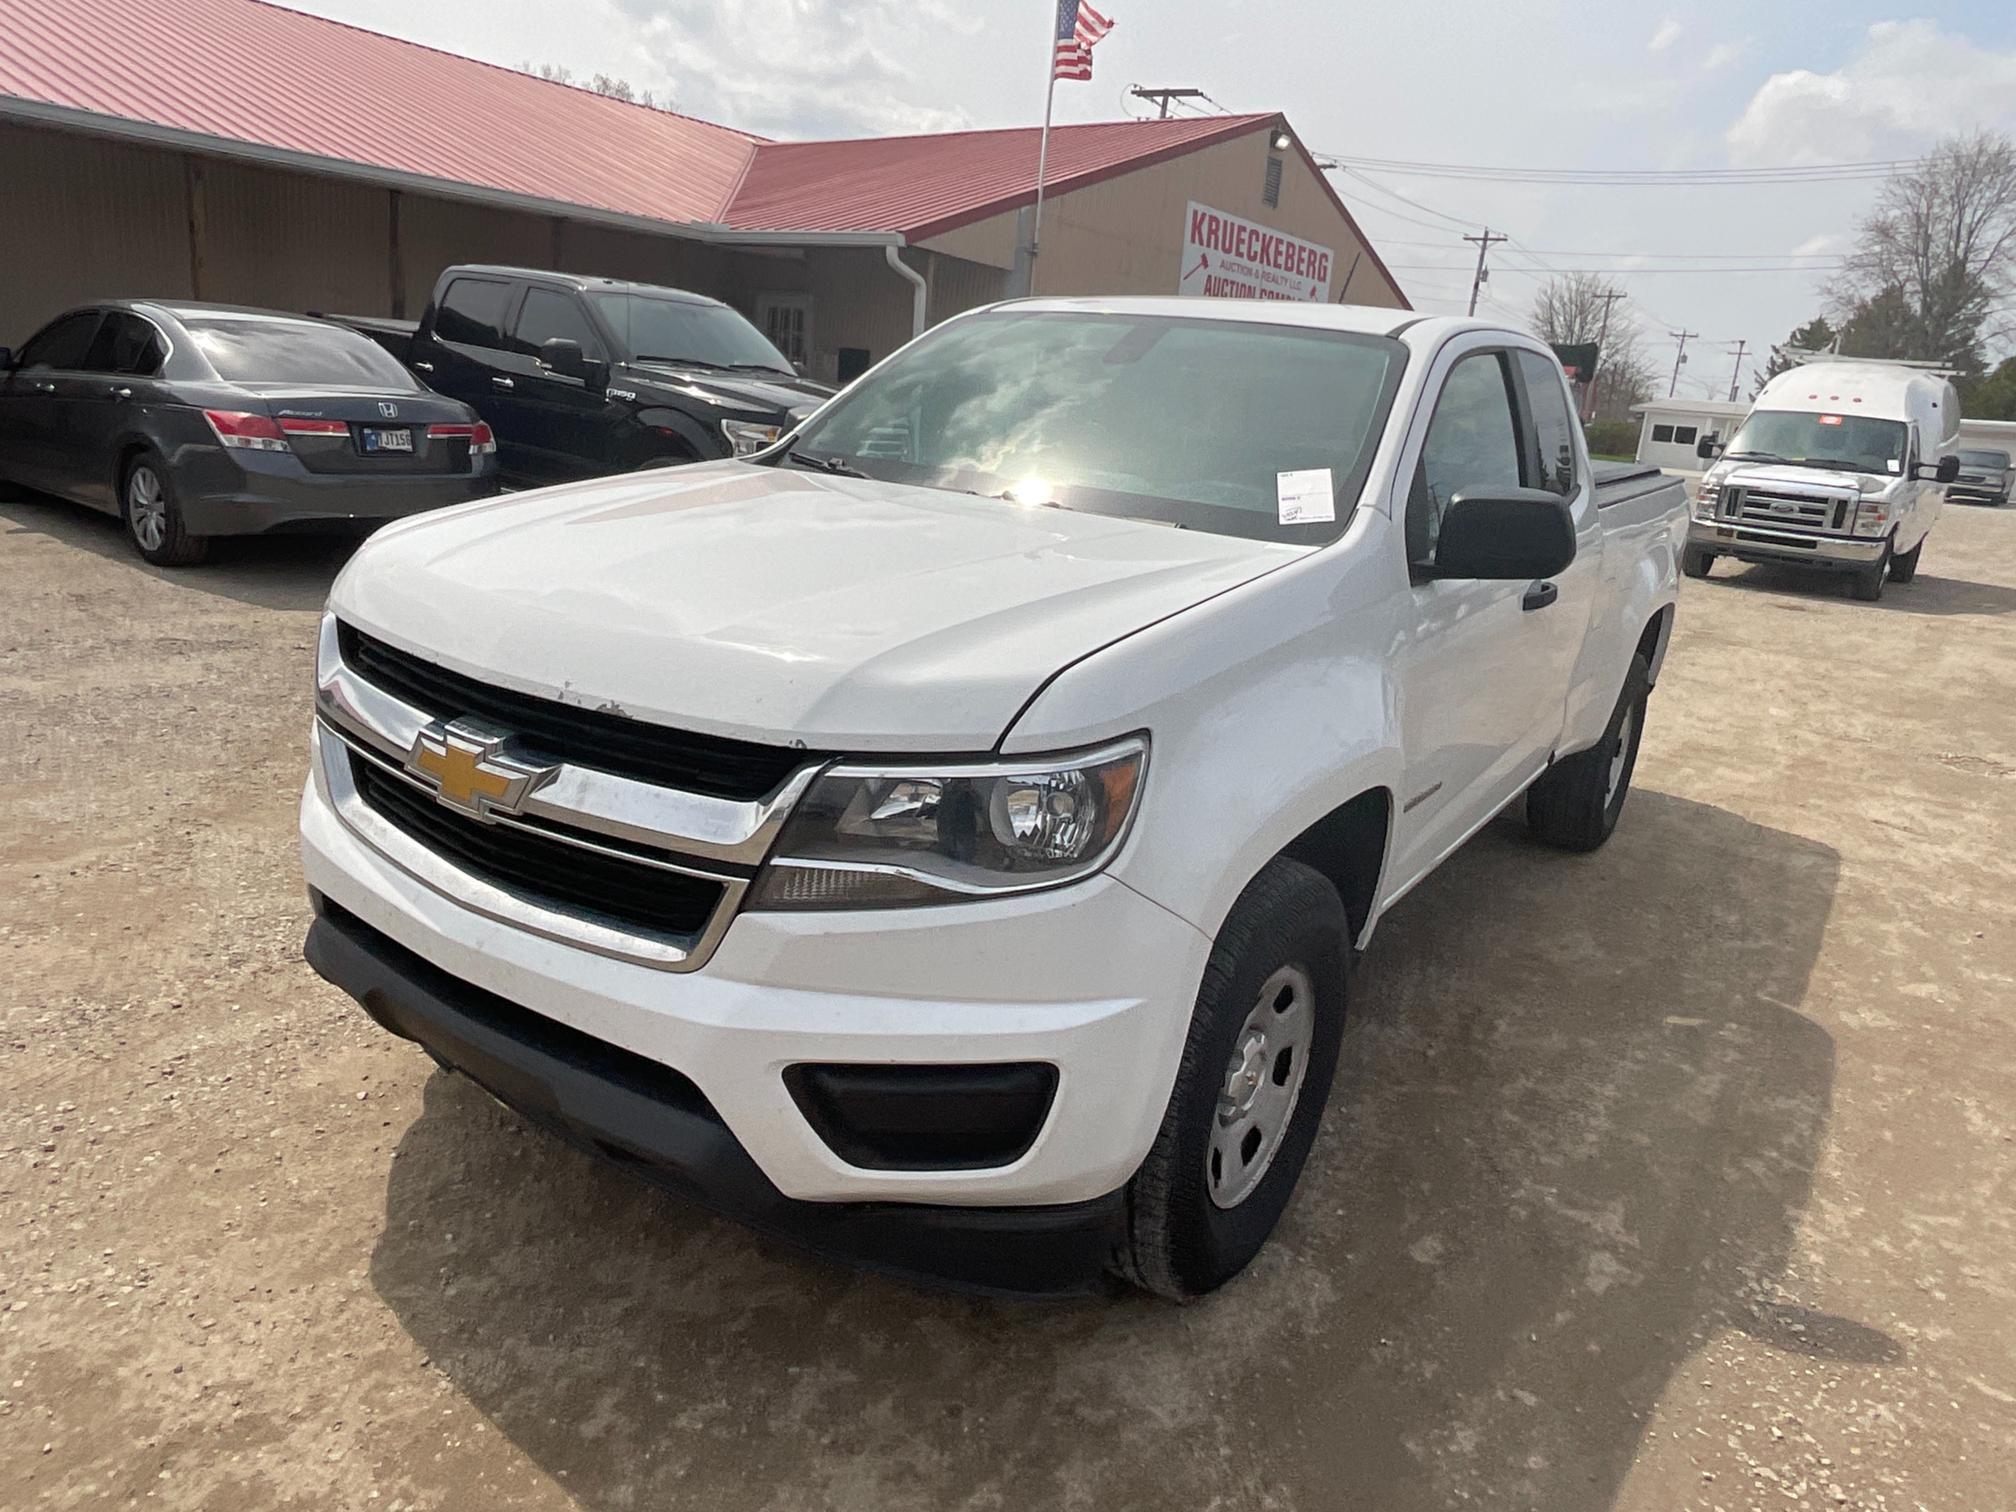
[1092, 979]
[1755, 543]
[656, 1124]
[1984, 493]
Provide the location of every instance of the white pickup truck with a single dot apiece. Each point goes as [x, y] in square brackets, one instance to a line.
[943, 838]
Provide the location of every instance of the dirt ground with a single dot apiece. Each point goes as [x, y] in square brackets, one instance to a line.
[1678, 1176]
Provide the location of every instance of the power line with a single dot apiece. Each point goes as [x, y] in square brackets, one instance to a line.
[1620, 272]
[1626, 177]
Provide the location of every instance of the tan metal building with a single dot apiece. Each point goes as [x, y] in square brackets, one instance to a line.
[314, 166]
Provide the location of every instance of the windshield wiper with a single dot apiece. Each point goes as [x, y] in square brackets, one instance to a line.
[699, 362]
[824, 464]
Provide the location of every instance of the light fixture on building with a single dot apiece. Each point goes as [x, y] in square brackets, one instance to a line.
[1281, 139]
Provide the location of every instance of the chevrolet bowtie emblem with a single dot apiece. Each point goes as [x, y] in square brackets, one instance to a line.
[465, 764]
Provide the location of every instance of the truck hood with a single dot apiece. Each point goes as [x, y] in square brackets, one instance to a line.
[777, 606]
[769, 392]
[1796, 479]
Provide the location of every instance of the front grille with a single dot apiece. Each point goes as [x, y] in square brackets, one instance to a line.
[542, 871]
[1791, 511]
[553, 731]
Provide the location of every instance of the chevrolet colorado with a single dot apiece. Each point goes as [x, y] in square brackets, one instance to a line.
[942, 838]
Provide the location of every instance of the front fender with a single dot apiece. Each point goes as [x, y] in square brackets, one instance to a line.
[705, 445]
[1267, 707]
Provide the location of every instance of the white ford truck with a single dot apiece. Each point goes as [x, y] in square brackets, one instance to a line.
[942, 838]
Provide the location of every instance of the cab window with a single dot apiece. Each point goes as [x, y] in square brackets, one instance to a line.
[546, 315]
[472, 312]
[1553, 426]
[1473, 442]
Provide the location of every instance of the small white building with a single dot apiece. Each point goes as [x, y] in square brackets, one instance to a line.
[1669, 429]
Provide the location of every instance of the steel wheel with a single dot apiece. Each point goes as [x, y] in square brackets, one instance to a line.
[1263, 1081]
[147, 507]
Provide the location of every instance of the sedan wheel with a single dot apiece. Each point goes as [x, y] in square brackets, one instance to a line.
[147, 508]
[154, 519]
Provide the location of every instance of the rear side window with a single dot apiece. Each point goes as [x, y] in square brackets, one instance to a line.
[548, 315]
[297, 352]
[127, 345]
[472, 312]
[62, 343]
[1552, 424]
[1473, 442]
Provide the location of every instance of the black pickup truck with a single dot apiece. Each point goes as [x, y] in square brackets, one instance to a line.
[582, 376]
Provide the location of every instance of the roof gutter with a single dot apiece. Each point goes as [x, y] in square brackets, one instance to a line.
[175, 138]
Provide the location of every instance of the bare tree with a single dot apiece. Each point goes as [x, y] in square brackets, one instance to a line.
[1937, 255]
[602, 84]
[1569, 311]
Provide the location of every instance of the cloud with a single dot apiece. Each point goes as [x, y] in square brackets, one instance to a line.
[783, 68]
[1667, 34]
[1722, 54]
[1909, 84]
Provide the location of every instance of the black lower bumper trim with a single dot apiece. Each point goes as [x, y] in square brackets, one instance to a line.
[655, 1123]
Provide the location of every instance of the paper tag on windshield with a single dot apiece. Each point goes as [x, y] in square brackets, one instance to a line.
[1305, 497]
[1831, 419]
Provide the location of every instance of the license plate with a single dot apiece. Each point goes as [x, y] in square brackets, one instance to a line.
[376, 440]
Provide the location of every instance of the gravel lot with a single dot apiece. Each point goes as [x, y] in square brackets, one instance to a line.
[1677, 1176]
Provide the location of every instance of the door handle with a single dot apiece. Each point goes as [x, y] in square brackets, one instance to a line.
[120, 393]
[1539, 596]
[502, 383]
[425, 367]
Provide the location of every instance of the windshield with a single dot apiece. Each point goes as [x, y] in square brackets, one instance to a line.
[1984, 459]
[1202, 423]
[298, 352]
[1858, 443]
[682, 330]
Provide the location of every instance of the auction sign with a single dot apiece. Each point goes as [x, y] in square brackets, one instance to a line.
[1226, 257]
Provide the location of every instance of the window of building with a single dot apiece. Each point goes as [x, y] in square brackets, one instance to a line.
[1553, 428]
[787, 320]
[1683, 435]
[1472, 442]
[1272, 192]
[472, 312]
[1662, 434]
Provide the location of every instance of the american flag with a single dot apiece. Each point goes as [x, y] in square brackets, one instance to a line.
[1079, 28]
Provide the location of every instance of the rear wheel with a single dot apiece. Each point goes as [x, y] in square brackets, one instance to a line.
[1249, 1091]
[1695, 562]
[1904, 568]
[154, 518]
[1576, 803]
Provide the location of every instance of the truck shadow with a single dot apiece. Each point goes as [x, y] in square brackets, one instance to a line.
[1575, 1126]
[267, 572]
[1926, 594]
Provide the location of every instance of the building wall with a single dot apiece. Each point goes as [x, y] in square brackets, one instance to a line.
[1682, 420]
[1124, 235]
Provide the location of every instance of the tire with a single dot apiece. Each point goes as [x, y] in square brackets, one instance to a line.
[1576, 803]
[1695, 562]
[153, 517]
[665, 459]
[1195, 1217]
[1867, 585]
[1904, 568]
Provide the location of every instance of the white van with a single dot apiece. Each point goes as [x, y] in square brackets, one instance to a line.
[1840, 465]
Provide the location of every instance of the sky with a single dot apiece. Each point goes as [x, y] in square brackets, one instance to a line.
[1545, 84]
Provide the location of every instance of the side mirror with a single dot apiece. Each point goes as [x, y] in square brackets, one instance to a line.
[1505, 533]
[565, 357]
[1945, 470]
[1707, 448]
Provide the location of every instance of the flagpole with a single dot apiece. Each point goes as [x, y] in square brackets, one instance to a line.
[1043, 153]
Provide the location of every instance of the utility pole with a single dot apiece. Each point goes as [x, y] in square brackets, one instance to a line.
[1736, 378]
[1164, 96]
[1609, 297]
[1683, 337]
[1484, 244]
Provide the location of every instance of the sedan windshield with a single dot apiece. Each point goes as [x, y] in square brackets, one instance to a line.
[684, 330]
[298, 352]
[1856, 443]
[1239, 428]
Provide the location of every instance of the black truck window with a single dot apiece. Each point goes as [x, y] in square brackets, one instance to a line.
[548, 314]
[472, 313]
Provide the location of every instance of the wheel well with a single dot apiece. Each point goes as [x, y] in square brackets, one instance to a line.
[1652, 640]
[1348, 845]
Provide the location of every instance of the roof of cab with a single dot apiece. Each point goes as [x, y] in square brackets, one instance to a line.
[584, 282]
[1371, 320]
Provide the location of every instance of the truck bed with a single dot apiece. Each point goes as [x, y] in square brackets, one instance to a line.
[396, 336]
[1620, 482]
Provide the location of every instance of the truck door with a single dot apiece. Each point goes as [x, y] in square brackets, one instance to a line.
[564, 422]
[462, 353]
[1483, 665]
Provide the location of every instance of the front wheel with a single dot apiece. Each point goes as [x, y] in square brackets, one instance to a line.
[1867, 585]
[154, 518]
[1904, 568]
[1249, 1091]
[1695, 562]
[1576, 802]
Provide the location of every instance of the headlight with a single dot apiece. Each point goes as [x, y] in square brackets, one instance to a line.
[887, 836]
[747, 438]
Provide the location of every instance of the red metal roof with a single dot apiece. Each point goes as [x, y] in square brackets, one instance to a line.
[923, 185]
[258, 73]
[260, 76]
